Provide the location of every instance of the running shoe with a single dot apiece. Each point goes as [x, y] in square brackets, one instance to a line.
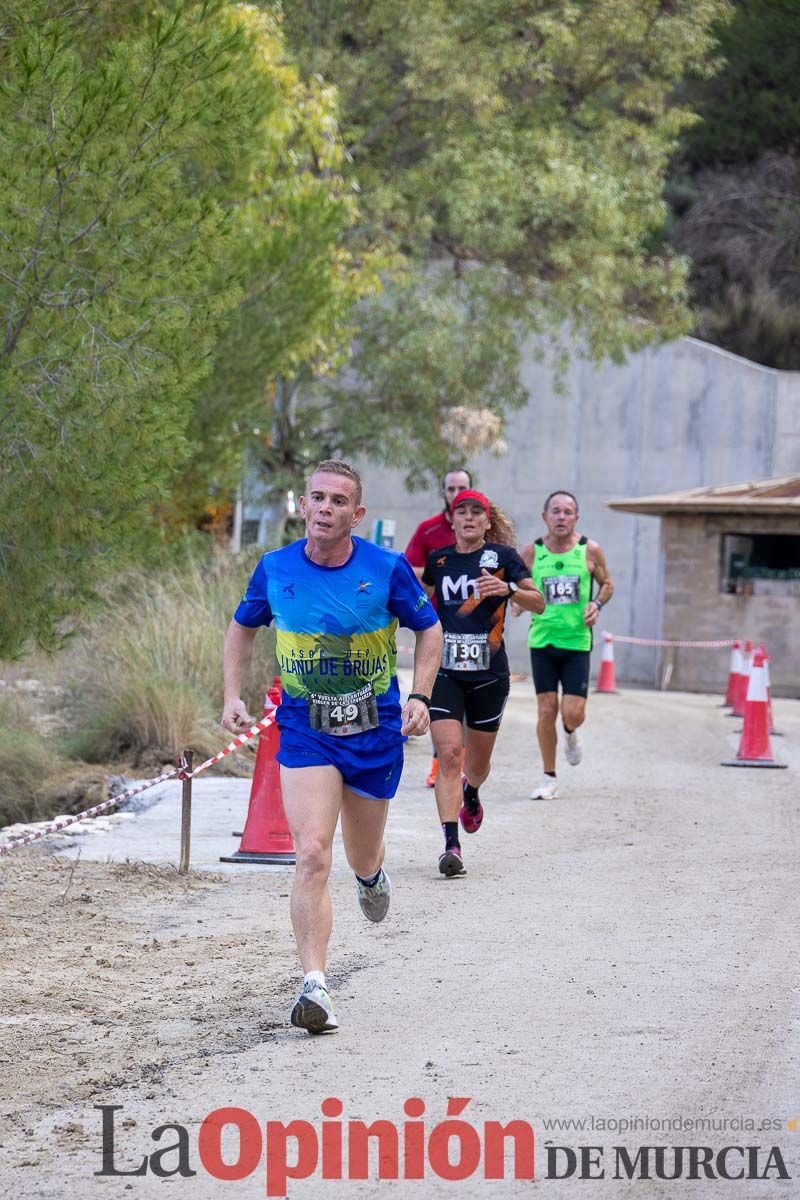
[313, 1010]
[471, 815]
[433, 773]
[574, 748]
[547, 789]
[450, 862]
[374, 900]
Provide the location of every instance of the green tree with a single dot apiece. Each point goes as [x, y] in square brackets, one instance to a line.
[431, 377]
[752, 105]
[734, 188]
[143, 151]
[742, 233]
[299, 280]
[512, 153]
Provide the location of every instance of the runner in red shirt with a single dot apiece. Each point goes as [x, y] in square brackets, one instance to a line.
[433, 534]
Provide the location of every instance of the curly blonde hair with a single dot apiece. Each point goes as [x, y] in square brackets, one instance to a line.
[501, 527]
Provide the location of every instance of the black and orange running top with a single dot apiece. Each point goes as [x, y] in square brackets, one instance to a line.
[473, 628]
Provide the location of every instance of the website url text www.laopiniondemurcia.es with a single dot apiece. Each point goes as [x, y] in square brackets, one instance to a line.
[678, 1124]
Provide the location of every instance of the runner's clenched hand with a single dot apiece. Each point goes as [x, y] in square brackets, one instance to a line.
[415, 718]
[236, 717]
[490, 585]
[591, 614]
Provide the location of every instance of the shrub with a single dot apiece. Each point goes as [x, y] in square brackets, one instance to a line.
[145, 678]
[36, 783]
[27, 762]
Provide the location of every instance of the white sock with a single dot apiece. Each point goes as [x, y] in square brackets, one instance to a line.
[316, 977]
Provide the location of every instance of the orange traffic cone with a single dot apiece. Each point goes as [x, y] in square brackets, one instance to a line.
[754, 747]
[740, 693]
[267, 838]
[773, 731]
[606, 680]
[733, 675]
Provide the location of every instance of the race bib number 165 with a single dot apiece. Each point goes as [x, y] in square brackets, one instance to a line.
[561, 589]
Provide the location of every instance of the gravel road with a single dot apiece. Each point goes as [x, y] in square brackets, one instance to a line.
[627, 952]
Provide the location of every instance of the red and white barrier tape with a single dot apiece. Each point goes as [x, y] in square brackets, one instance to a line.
[175, 772]
[634, 641]
[259, 727]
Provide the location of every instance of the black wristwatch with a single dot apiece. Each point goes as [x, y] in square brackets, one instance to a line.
[599, 603]
[426, 700]
[512, 587]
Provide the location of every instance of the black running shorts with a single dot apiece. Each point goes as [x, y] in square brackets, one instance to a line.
[552, 665]
[480, 701]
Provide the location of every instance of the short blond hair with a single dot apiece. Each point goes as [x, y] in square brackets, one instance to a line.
[337, 466]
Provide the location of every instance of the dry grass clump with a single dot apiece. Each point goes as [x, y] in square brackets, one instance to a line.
[145, 680]
[36, 781]
[26, 760]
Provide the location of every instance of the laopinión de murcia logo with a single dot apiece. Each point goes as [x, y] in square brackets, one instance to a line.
[334, 1149]
[232, 1144]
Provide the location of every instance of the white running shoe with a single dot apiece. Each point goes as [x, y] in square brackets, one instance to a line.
[547, 789]
[313, 1010]
[374, 900]
[574, 748]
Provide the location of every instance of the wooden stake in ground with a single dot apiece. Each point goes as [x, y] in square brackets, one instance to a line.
[186, 812]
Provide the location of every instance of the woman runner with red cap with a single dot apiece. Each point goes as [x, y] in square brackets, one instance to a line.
[473, 582]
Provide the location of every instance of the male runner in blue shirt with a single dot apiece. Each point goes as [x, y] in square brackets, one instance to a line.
[336, 601]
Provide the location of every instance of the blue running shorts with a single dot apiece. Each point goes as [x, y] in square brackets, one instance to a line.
[374, 772]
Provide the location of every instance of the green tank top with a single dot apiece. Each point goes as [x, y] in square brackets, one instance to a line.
[566, 584]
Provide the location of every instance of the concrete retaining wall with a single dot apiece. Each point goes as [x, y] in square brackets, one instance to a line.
[684, 415]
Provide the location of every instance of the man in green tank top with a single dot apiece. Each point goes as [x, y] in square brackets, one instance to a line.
[565, 567]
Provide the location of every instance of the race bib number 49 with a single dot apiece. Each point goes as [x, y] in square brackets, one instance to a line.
[352, 712]
[561, 589]
[466, 652]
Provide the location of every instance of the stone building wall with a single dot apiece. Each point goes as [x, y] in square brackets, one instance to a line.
[697, 609]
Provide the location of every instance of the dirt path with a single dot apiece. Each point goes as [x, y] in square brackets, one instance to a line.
[628, 951]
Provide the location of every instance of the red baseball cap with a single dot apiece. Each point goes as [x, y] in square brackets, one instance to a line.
[475, 497]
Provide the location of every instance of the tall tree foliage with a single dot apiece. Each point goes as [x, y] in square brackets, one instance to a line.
[734, 188]
[512, 152]
[299, 279]
[751, 106]
[149, 156]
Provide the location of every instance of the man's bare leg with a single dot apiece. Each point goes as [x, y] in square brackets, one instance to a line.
[573, 714]
[547, 704]
[573, 711]
[363, 823]
[312, 799]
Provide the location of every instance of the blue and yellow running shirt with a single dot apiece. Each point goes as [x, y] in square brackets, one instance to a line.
[336, 631]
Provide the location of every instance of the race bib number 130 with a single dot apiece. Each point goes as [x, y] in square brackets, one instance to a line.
[342, 716]
[466, 652]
